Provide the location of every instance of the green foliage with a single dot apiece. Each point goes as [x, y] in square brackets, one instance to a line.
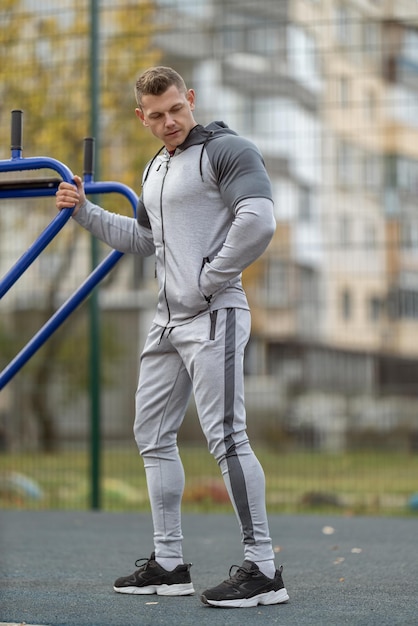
[72, 355]
[45, 70]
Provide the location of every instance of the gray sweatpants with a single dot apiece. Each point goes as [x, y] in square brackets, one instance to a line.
[205, 356]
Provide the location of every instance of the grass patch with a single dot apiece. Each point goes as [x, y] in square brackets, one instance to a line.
[367, 483]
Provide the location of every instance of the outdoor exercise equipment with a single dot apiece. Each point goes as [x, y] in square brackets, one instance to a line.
[37, 187]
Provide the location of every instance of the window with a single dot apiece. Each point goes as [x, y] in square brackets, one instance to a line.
[346, 164]
[285, 194]
[343, 91]
[277, 283]
[371, 40]
[409, 234]
[403, 303]
[344, 231]
[404, 104]
[372, 172]
[264, 39]
[410, 45]
[348, 33]
[338, 370]
[305, 204]
[342, 25]
[303, 56]
[309, 287]
[407, 174]
[261, 37]
[370, 102]
[375, 308]
[370, 236]
[346, 304]
[408, 304]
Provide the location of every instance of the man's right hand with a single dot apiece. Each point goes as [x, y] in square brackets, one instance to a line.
[69, 195]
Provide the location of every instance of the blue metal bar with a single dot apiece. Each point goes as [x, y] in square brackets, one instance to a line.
[20, 164]
[113, 187]
[34, 163]
[59, 317]
[80, 294]
[55, 226]
[27, 193]
[34, 251]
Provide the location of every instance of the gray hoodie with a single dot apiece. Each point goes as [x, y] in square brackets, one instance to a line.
[206, 212]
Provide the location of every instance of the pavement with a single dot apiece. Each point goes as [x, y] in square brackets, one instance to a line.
[57, 569]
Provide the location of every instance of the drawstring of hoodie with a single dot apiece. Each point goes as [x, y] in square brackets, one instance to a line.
[163, 333]
[150, 165]
[208, 138]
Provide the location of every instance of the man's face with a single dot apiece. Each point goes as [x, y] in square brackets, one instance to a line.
[168, 116]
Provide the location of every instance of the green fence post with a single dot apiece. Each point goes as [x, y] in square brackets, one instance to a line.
[95, 392]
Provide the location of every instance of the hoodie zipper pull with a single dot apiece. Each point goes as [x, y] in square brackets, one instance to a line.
[165, 158]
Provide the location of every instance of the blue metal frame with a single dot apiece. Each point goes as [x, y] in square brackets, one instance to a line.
[17, 163]
[33, 163]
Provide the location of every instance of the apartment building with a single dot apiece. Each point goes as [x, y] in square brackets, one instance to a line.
[328, 90]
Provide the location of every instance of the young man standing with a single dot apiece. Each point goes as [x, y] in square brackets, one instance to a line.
[206, 212]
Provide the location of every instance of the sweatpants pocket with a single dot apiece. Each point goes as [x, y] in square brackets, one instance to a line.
[213, 317]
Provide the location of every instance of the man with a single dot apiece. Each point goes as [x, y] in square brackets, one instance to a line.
[206, 212]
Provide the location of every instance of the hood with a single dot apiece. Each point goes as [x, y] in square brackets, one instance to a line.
[201, 134]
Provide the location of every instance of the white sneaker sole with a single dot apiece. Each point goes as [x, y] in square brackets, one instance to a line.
[184, 589]
[272, 597]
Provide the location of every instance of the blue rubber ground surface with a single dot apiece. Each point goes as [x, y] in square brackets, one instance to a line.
[57, 568]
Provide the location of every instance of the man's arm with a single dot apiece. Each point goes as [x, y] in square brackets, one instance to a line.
[250, 233]
[120, 232]
[246, 189]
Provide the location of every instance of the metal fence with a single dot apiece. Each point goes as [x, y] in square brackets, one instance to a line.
[329, 92]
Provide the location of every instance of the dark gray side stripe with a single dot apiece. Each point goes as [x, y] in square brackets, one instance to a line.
[236, 475]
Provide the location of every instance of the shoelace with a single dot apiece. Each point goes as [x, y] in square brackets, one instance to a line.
[240, 574]
[142, 563]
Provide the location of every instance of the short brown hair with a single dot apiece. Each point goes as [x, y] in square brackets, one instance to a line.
[156, 80]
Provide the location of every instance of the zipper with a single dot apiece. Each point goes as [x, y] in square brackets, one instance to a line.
[163, 238]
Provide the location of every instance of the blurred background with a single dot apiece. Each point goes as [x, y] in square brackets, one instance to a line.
[328, 90]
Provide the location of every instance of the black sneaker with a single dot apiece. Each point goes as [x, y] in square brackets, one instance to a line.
[247, 587]
[152, 578]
